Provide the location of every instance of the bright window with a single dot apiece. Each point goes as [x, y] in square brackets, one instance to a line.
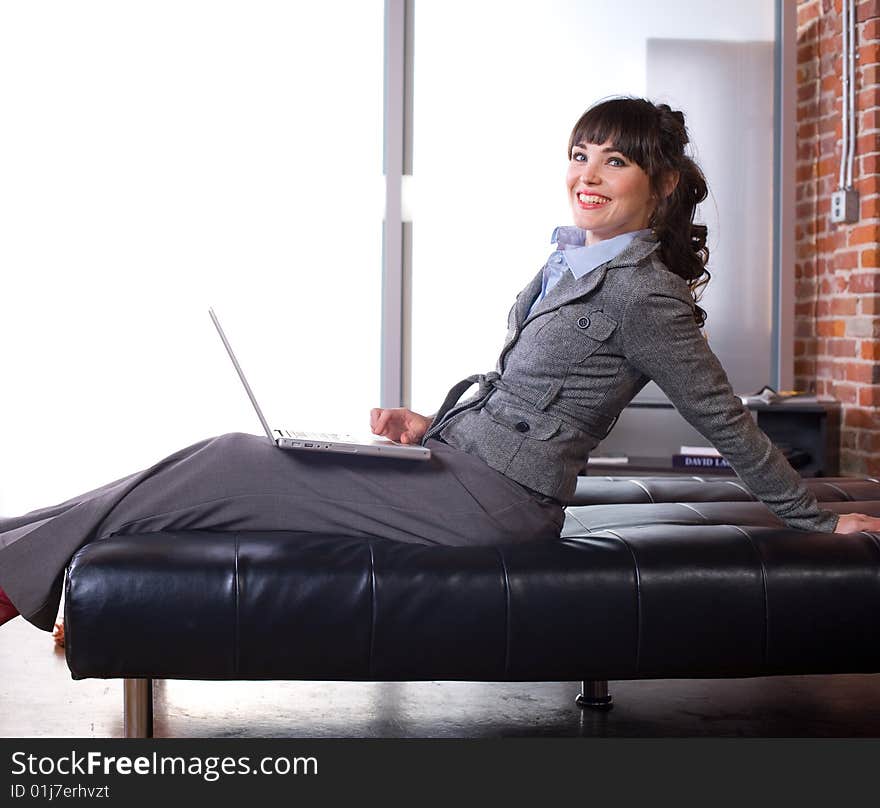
[160, 158]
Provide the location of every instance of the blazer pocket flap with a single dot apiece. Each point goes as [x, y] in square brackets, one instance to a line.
[529, 423]
[597, 325]
[576, 335]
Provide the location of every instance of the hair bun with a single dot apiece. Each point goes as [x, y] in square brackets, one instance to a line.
[675, 113]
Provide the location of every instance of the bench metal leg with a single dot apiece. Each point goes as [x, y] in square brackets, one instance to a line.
[595, 694]
[138, 717]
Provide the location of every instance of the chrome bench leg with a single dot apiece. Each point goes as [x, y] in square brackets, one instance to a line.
[138, 715]
[595, 694]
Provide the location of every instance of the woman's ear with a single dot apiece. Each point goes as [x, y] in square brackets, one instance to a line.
[669, 184]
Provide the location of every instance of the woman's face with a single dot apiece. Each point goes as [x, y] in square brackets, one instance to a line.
[609, 193]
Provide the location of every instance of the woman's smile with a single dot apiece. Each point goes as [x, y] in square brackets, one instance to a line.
[591, 201]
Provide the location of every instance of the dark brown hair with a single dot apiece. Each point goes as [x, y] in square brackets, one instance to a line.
[654, 137]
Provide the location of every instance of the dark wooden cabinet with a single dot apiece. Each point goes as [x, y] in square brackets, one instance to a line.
[810, 429]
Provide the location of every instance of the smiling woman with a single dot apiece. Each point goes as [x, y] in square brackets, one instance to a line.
[620, 310]
[610, 194]
[614, 307]
[628, 170]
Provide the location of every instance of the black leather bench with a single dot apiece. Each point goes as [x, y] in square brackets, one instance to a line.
[656, 577]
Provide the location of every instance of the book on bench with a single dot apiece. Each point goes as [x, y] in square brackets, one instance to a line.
[699, 457]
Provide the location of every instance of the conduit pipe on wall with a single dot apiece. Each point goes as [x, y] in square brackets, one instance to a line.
[845, 200]
[851, 147]
[844, 80]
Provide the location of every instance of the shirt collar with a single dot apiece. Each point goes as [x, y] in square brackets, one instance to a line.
[582, 259]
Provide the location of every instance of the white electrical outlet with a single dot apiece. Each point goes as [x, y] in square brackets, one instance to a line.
[845, 206]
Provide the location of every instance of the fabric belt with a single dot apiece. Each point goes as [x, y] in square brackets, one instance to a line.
[486, 381]
[596, 423]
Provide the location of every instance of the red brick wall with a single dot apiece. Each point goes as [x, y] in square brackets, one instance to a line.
[837, 270]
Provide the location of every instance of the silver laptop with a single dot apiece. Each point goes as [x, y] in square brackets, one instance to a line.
[324, 441]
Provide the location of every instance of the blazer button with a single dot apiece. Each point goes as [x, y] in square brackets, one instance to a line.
[522, 426]
[583, 322]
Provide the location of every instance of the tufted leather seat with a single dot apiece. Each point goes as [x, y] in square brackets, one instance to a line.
[610, 490]
[686, 588]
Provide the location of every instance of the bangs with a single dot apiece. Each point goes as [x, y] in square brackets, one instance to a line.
[630, 124]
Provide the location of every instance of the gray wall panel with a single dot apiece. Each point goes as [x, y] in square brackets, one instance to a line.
[726, 92]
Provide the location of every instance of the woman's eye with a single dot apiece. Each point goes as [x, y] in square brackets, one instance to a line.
[578, 157]
[616, 161]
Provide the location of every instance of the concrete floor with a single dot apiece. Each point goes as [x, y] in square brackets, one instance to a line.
[39, 699]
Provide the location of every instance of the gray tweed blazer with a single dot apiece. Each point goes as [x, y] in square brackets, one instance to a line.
[568, 369]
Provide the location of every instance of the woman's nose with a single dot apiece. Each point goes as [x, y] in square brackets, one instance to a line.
[589, 175]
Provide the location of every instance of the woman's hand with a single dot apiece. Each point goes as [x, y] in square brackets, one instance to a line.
[856, 522]
[399, 424]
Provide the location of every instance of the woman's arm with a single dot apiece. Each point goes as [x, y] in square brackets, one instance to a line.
[662, 340]
[399, 424]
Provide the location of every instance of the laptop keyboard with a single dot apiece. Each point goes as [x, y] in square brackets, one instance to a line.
[331, 436]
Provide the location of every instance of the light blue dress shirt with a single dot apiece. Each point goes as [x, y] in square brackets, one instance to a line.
[572, 254]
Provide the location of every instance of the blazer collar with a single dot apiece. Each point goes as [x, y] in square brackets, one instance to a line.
[569, 288]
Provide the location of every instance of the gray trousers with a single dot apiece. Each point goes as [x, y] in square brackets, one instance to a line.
[238, 482]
